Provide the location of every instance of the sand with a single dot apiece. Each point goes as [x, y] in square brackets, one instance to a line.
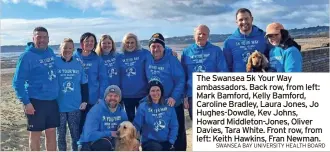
[14, 136]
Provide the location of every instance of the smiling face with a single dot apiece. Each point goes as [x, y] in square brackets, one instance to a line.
[201, 35]
[274, 39]
[130, 44]
[112, 99]
[40, 39]
[155, 94]
[106, 45]
[67, 50]
[244, 22]
[88, 44]
[157, 50]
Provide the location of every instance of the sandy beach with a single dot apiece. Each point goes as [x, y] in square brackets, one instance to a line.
[14, 136]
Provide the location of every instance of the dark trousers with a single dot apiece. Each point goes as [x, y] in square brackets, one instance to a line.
[153, 145]
[83, 117]
[181, 141]
[131, 105]
[190, 107]
[103, 144]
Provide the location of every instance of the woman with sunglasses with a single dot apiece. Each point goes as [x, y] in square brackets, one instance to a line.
[285, 54]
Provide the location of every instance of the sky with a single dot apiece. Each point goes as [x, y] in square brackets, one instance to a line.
[72, 18]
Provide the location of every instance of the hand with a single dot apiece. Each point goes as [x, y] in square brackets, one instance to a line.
[29, 109]
[171, 101]
[83, 106]
[186, 103]
[113, 133]
[174, 53]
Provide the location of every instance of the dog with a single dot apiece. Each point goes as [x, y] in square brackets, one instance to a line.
[257, 62]
[127, 137]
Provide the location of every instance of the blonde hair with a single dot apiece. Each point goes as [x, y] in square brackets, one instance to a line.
[66, 40]
[127, 36]
[98, 49]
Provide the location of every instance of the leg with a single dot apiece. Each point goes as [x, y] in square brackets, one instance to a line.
[36, 124]
[103, 144]
[61, 132]
[190, 107]
[83, 117]
[73, 121]
[34, 140]
[50, 139]
[152, 146]
[130, 108]
[181, 141]
[52, 122]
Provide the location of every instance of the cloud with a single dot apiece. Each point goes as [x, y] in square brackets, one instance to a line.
[170, 17]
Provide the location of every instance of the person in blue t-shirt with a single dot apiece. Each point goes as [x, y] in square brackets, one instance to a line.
[285, 54]
[102, 122]
[106, 48]
[244, 41]
[156, 120]
[36, 85]
[202, 56]
[73, 94]
[95, 70]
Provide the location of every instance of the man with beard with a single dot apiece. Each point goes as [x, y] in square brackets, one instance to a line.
[245, 40]
[102, 122]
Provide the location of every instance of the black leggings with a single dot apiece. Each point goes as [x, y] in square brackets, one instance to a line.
[83, 117]
[131, 105]
[153, 145]
[103, 144]
[181, 141]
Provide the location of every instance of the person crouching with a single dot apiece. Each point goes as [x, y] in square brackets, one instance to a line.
[102, 122]
[156, 120]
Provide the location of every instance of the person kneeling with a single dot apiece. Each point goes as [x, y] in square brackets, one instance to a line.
[102, 122]
[156, 120]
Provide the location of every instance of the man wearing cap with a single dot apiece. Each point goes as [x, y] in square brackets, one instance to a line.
[284, 56]
[102, 122]
[202, 56]
[167, 69]
[246, 39]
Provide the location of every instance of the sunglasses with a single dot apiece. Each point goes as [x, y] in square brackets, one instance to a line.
[154, 39]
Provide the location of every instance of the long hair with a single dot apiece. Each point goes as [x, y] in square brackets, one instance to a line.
[98, 49]
[161, 100]
[127, 36]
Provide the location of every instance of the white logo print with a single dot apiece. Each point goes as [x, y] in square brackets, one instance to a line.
[51, 75]
[200, 68]
[112, 72]
[246, 56]
[68, 86]
[154, 78]
[130, 71]
[159, 125]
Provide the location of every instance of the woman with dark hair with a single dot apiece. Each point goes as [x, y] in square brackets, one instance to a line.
[285, 54]
[156, 120]
[95, 71]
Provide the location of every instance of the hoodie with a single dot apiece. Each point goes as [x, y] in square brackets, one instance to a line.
[285, 60]
[70, 77]
[36, 75]
[100, 121]
[156, 122]
[170, 73]
[133, 81]
[238, 47]
[194, 58]
[112, 68]
[96, 72]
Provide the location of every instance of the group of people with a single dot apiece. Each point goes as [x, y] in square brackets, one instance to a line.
[96, 87]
